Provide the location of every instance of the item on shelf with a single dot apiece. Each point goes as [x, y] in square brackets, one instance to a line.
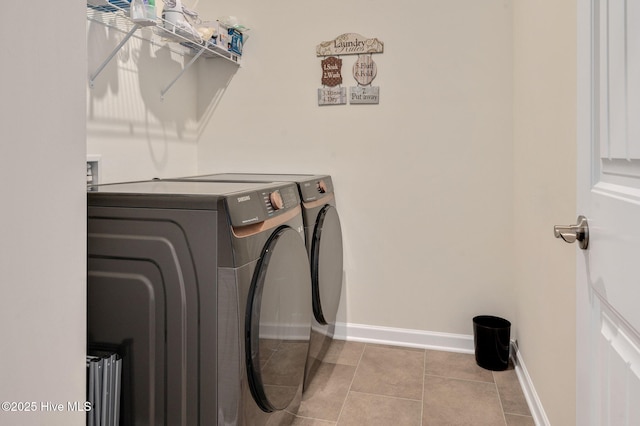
[142, 12]
[232, 22]
[151, 10]
[231, 34]
[206, 29]
[177, 20]
[223, 35]
[235, 41]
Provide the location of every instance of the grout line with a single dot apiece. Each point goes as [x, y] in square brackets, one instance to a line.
[351, 384]
[464, 380]
[504, 417]
[386, 396]
[520, 415]
[317, 420]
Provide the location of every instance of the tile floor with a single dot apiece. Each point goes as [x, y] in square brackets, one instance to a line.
[365, 384]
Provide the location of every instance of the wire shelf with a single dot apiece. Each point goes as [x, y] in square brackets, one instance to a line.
[115, 14]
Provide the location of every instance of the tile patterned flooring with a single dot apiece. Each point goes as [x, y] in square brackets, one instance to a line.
[366, 384]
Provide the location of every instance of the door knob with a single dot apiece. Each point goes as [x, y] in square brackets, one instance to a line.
[572, 233]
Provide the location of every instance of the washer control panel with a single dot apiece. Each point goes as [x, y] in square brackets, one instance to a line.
[280, 199]
[257, 206]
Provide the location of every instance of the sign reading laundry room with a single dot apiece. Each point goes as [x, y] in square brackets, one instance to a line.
[364, 69]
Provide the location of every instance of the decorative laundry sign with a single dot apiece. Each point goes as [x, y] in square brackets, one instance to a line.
[332, 77]
[364, 69]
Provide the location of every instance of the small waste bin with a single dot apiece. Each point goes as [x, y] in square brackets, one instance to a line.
[491, 337]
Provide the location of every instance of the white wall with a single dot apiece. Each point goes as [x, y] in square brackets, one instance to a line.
[545, 184]
[424, 179]
[136, 132]
[42, 243]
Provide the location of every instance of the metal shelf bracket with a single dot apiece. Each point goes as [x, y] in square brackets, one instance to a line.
[126, 38]
[186, 67]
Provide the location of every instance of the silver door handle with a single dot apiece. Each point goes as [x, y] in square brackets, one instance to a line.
[572, 233]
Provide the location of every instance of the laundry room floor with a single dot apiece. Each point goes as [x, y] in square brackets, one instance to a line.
[366, 384]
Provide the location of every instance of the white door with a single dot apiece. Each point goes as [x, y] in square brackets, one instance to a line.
[608, 285]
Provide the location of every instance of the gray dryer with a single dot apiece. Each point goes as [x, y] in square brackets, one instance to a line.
[204, 291]
[323, 236]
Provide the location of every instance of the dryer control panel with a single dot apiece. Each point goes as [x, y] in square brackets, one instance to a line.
[257, 206]
[316, 188]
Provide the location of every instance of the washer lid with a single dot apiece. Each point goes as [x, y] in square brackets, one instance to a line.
[168, 194]
[247, 202]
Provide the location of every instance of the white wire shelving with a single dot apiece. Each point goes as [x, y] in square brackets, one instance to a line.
[114, 14]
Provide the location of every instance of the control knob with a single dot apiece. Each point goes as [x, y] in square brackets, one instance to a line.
[276, 200]
[322, 187]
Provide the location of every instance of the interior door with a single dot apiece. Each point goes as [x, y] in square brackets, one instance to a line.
[608, 284]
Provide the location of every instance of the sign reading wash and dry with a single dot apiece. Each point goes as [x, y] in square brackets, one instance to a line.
[364, 70]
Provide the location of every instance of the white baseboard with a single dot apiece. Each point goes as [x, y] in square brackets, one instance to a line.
[461, 343]
[405, 337]
[530, 394]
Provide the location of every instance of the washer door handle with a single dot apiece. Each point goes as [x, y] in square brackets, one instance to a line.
[572, 233]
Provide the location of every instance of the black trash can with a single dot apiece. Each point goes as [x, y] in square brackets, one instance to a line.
[491, 337]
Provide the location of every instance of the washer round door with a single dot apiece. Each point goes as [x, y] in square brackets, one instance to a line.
[278, 322]
[326, 265]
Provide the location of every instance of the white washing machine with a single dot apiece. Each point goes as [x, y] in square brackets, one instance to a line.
[204, 290]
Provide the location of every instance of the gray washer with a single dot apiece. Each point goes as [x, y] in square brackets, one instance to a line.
[323, 236]
[204, 290]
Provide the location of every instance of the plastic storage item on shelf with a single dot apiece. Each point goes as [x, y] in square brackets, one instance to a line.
[142, 12]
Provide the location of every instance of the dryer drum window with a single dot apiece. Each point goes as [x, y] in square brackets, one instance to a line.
[326, 265]
[277, 323]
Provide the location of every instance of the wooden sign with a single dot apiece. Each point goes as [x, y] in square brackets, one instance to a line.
[331, 71]
[332, 96]
[364, 95]
[364, 70]
[349, 44]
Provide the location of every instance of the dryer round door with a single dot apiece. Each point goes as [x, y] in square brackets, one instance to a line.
[326, 265]
[278, 322]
